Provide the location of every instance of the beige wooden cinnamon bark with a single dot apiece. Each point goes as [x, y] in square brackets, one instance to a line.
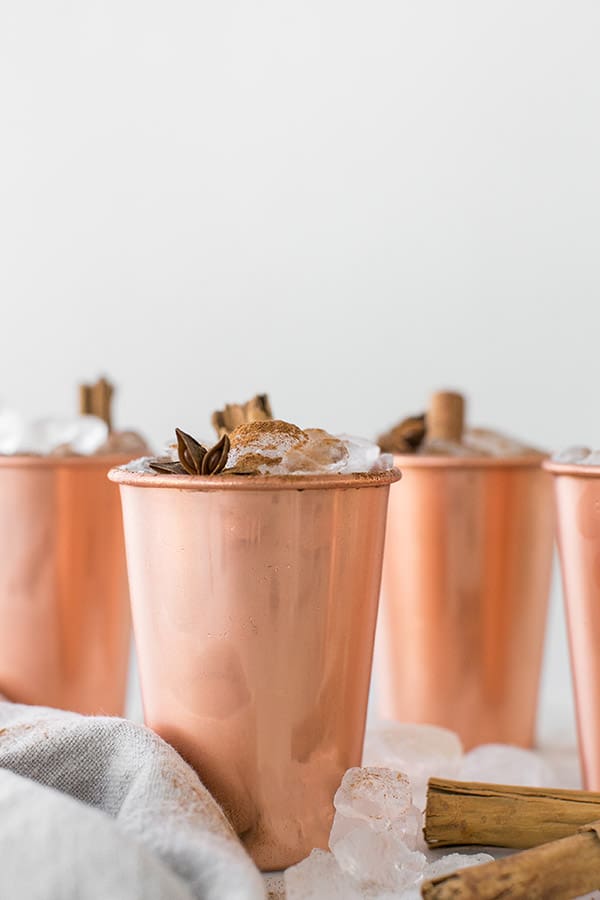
[559, 870]
[462, 813]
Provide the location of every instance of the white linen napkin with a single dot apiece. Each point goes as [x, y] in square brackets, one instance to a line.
[98, 808]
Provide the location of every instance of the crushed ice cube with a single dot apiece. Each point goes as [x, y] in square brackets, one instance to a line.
[422, 751]
[493, 443]
[261, 446]
[275, 886]
[376, 795]
[504, 764]
[321, 452]
[276, 447]
[592, 459]
[124, 442]
[439, 447]
[572, 455]
[82, 435]
[319, 877]
[363, 455]
[378, 860]
[453, 861]
[12, 432]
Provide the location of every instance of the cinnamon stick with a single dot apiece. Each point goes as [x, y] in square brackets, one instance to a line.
[445, 417]
[257, 409]
[467, 813]
[559, 870]
[405, 437]
[96, 400]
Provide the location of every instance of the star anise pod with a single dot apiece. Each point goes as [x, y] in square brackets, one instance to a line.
[191, 453]
[167, 466]
[194, 459]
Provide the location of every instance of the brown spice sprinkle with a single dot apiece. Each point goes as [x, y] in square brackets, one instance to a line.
[406, 437]
[256, 435]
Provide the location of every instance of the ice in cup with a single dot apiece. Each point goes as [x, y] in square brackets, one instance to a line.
[254, 573]
[466, 578]
[576, 476]
[64, 608]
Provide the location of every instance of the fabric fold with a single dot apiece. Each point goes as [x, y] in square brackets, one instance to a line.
[156, 802]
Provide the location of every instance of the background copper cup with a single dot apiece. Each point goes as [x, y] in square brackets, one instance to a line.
[254, 605]
[466, 578]
[64, 616]
[577, 493]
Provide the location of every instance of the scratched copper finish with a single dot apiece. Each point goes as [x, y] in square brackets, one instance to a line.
[577, 494]
[466, 578]
[64, 617]
[254, 604]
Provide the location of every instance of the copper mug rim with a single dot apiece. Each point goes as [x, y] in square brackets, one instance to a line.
[49, 461]
[255, 482]
[576, 469]
[414, 461]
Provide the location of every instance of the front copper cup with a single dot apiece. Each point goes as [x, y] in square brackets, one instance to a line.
[466, 579]
[577, 493]
[254, 605]
[64, 616]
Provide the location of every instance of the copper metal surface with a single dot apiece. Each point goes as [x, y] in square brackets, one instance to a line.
[577, 493]
[465, 588]
[64, 616]
[254, 605]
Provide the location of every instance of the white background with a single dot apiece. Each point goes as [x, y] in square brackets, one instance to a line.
[346, 204]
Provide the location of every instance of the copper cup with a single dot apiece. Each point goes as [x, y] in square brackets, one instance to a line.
[466, 578]
[577, 494]
[254, 605]
[64, 616]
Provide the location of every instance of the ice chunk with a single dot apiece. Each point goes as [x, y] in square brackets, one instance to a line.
[13, 430]
[319, 877]
[504, 764]
[280, 448]
[80, 434]
[363, 455]
[378, 860]
[453, 861]
[275, 886]
[421, 751]
[493, 443]
[439, 447]
[75, 434]
[578, 455]
[383, 463]
[320, 453]
[261, 446]
[572, 455]
[124, 442]
[407, 829]
[375, 795]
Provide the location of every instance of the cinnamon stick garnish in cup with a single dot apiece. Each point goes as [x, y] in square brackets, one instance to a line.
[445, 417]
[96, 400]
[258, 409]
